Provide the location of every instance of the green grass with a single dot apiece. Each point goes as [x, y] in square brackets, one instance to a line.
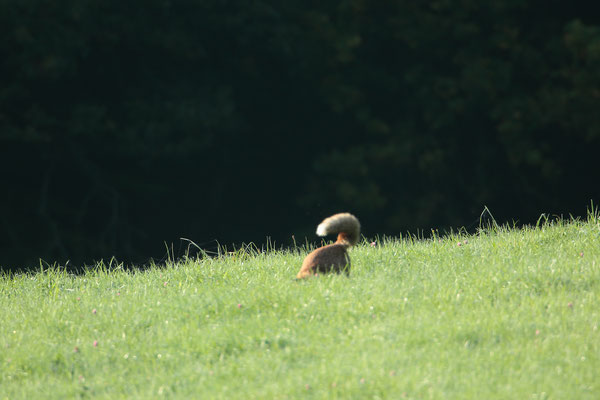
[509, 313]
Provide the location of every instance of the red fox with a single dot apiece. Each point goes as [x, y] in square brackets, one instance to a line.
[333, 257]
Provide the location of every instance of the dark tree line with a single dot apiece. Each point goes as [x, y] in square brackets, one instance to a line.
[122, 128]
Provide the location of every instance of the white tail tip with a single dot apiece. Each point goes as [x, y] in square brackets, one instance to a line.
[322, 230]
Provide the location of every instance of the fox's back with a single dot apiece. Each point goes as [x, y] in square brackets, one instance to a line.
[330, 258]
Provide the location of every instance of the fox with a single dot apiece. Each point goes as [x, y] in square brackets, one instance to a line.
[333, 257]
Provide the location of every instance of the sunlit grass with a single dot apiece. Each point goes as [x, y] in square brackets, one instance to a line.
[506, 313]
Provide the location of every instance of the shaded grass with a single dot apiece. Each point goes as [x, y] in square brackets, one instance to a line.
[506, 314]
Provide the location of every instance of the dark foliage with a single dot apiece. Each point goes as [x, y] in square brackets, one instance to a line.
[123, 128]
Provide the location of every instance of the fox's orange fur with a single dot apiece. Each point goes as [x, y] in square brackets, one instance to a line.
[333, 257]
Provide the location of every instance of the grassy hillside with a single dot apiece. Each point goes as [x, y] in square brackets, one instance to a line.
[504, 314]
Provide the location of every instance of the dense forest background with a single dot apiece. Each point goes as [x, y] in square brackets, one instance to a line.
[123, 128]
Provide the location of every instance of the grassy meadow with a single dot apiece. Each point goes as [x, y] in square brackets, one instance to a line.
[503, 314]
